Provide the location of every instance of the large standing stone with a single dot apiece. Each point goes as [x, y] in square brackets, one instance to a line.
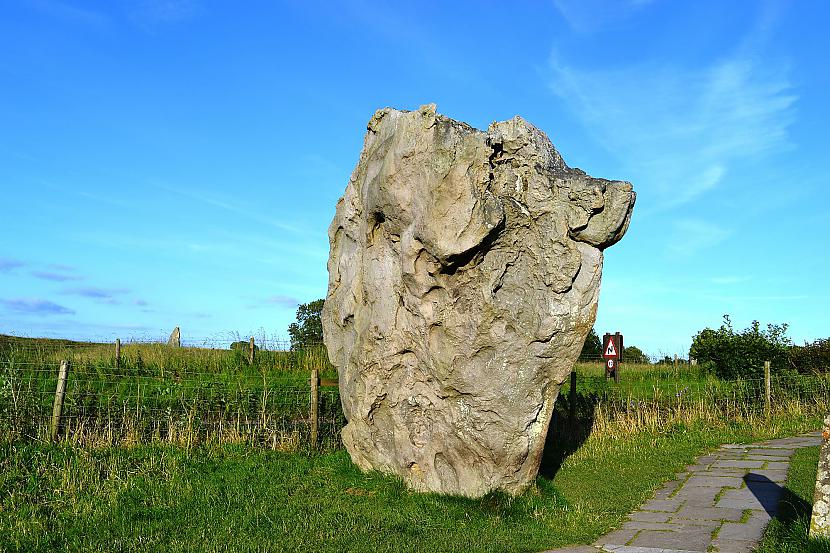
[820, 520]
[175, 338]
[463, 278]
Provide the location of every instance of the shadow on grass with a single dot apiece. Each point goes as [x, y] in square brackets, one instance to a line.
[566, 434]
[788, 531]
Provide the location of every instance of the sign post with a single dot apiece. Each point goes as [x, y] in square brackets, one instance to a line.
[612, 348]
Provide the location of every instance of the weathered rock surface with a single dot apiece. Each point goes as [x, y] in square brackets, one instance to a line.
[820, 519]
[175, 338]
[463, 278]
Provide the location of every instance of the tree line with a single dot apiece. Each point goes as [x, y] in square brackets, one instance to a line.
[725, 352]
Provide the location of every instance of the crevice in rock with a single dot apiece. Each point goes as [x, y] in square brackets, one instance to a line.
[474, 255]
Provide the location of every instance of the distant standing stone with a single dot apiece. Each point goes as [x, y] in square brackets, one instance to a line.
[820, 522]
[175, 339]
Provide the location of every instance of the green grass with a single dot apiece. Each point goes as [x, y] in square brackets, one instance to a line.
[787, 533]
[235, 498]
[160, 393]
[191, 396]
[161, 361]
[639, 381]
[192, 449]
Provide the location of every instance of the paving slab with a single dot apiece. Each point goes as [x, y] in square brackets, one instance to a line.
[734, 546]
[732, 463]
[633, 549]
[668, 489]
[741, 531]
[736, 454]
[766, 475]
[699, 496]
[664, 505]
[617, 537]
[766, 457]
[710, 513]
[683, 515]
[692, 539]
[715, 481]
[643, 525]
[649, 516]
[783, 451]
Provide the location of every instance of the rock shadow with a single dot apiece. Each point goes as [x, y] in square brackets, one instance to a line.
[778, 501]
[792, 516]
[568, 430]
[769, 494]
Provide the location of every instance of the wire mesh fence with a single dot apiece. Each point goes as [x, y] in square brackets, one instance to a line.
[148, 391]
[191, 395]
[600, 405]
[117, 407]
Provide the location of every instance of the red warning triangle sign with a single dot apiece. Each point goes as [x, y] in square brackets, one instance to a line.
[610, 349]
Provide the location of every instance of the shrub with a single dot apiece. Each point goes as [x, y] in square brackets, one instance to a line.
[811, 357]
[730, 354]
[243, 345]
[633, 354]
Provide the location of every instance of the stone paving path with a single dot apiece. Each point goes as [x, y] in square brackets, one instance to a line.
[722, 503]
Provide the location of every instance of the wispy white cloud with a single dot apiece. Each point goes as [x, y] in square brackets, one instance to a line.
[7, 264]
[109, 296]
[246, 211]
[278, 300]
[74, 329]
[679, 129]
[762, 297]
[100, 198]
[730, 279]
[55, 276]
[35, 307]
[587, 16]
[72, 13]
[149, 14]
[690, 236]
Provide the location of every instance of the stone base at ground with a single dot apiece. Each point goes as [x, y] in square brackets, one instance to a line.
[820, 520]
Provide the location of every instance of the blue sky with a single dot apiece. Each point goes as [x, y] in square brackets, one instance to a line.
[170, 163]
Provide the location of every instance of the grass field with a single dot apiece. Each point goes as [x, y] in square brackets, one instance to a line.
[190, 396]
[235, 498]
[158, 393]
[195, 449]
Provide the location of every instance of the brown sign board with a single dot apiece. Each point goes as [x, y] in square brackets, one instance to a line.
[612, 349]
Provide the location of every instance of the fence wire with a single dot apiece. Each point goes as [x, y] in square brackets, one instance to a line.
[104, 404]
[153, 392]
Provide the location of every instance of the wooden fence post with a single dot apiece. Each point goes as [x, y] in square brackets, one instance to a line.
[60, 391]
[315, 382]
[251, 347]
[767, 388]
[117, 353]
[572, 400]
